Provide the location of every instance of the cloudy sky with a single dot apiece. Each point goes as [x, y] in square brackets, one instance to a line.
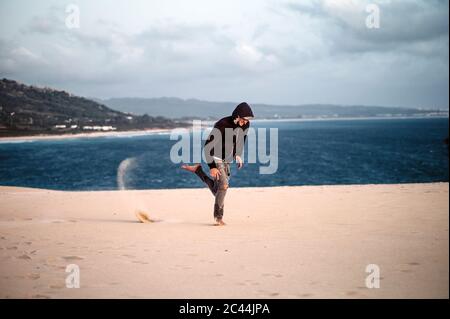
[272, 51]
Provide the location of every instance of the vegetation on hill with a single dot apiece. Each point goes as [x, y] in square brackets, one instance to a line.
[27, 110]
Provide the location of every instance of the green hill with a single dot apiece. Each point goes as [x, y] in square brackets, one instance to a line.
[26, 110]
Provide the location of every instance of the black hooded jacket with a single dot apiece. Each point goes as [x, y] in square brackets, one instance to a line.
[228, 152]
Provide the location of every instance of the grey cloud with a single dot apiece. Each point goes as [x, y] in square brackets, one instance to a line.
[402, 23]
[164, 52]
[51, 22]
[317, 55]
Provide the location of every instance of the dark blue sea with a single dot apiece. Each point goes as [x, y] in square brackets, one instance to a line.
[324, 152]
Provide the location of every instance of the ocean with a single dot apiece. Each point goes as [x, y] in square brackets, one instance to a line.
[316, 152]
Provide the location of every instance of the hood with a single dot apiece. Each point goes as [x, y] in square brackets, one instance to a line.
[242, 110]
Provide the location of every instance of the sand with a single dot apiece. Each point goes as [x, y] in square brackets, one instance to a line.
[90, 134]
[279, 242]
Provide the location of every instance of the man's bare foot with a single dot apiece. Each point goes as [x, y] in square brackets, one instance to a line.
[190, 168]
[219, 222]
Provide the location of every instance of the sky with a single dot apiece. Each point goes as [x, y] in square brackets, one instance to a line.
[260, 51]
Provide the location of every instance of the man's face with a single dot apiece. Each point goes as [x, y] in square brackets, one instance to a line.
[241, 122]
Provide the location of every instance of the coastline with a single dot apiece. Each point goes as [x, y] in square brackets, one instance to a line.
[84, 135]
[352, 118]
[288, 242]
[131, 133]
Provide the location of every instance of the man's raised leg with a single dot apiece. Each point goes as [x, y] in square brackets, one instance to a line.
[197, 170]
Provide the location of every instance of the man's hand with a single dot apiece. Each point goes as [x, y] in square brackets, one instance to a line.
[215, 173]
[239, 162]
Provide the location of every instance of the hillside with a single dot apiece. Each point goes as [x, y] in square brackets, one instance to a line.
[28, 110]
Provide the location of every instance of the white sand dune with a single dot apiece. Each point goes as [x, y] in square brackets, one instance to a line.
[280, 242]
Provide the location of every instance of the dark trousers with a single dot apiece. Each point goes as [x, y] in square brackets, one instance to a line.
[218, 187]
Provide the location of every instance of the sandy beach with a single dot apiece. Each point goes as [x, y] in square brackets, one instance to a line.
[279, 242]
[41, 137]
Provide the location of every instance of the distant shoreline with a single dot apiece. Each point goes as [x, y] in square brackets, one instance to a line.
[84, 135]
[344, 118]
[351, 118]
[130, 133]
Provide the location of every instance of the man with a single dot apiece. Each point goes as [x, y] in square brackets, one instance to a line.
[225, 143]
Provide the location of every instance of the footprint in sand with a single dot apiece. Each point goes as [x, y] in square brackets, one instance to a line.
[33, 276]
[11, 248]
[56, 286]
[24, 257]
[55, 266]
[414, 264]
[140, 262]
[272, 275]
[70, 258]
